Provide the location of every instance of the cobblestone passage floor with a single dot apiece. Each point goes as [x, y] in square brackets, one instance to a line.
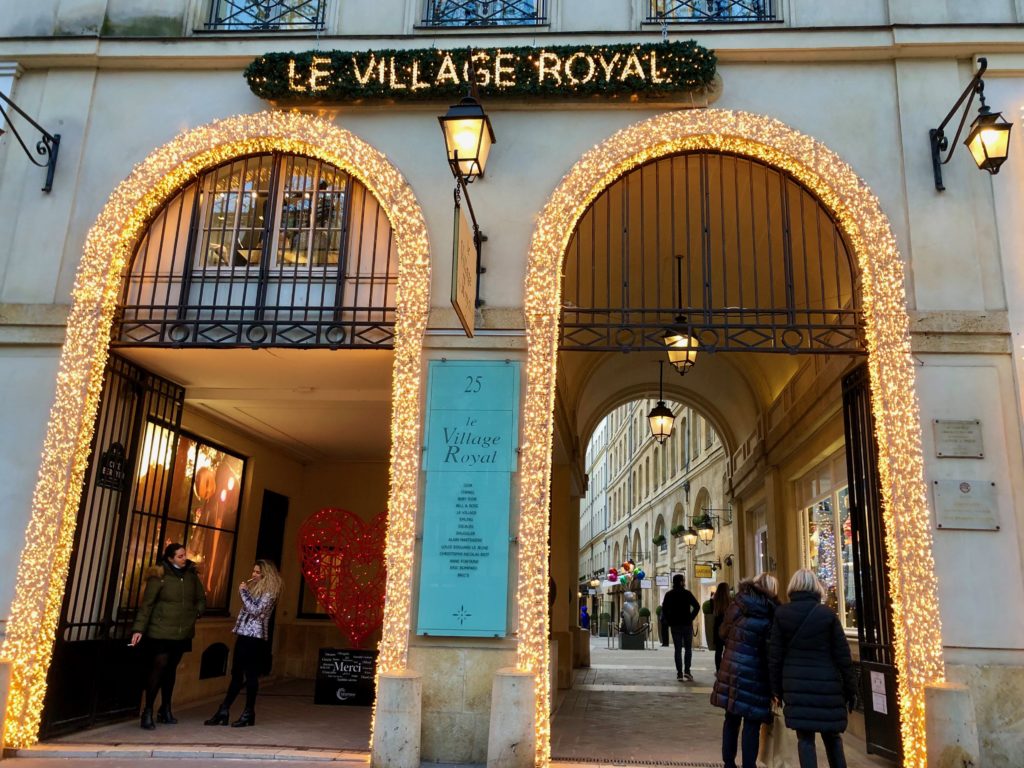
[628, 708]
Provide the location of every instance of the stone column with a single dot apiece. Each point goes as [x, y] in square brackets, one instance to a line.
[5, 689]
[952, 740]
[583, 643]
[396, 732]
[511, 740]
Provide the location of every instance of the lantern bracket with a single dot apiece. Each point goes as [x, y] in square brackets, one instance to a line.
[936, 136]
[479, 238]
[47, 147]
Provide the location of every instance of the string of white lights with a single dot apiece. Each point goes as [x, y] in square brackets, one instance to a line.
[42, 571]
[918, 641]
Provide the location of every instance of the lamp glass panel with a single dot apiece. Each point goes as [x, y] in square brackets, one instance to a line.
[989, 141]
[468, 136]
[680, 352]
[661, 426]
[690, 538]
[706, 534]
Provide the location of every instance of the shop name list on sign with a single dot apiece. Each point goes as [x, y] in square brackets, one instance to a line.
[631, 71]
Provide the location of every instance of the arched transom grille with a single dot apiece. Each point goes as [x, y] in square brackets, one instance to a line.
[267, 250]
[740, 255]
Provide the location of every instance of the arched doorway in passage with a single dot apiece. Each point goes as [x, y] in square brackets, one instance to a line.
[136, 204]
[843, 199]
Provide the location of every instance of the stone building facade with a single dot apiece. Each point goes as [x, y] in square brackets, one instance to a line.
[270, 262]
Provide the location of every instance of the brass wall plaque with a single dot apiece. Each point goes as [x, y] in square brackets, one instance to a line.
[966, 505]
[958, 439]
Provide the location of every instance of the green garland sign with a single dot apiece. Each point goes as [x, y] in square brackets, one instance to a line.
[626, 71]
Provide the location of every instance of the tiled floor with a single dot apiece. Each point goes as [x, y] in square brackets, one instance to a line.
[628, 707]
[285, 717]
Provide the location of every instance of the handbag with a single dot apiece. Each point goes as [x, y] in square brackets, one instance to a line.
[779, 748]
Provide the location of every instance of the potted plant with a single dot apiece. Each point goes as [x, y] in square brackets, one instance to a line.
[645, 615]
[658, 540]
[700, 521]
[678, 530]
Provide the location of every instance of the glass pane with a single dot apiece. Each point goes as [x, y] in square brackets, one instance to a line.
[822, 553]
[308, 604]
[158, 446]
[173, 534]
[215, 488]
[846, 556]
[232, 211]
[210, 549]
[184, 467]
[312, 215]
[142, 549]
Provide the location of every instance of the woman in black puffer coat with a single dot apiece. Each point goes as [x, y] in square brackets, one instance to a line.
[811, 670]
[742, 686]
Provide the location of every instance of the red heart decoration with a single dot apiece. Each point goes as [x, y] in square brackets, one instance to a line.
[342, 560]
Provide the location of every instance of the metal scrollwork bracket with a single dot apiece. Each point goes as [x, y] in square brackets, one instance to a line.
[47, 147]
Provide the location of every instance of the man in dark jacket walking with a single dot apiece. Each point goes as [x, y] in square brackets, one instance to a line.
[811, 670]
[678, 610]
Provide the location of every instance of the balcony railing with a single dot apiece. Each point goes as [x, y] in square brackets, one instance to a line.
[266, 15]
[710, 11]
[499, 13]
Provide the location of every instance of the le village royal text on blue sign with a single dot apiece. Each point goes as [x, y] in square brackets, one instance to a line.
[472, 429]
[625, 72]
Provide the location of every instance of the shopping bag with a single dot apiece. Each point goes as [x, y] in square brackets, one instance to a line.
[779, 744]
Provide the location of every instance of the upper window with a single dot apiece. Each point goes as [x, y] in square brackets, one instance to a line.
[266, 250]
[266, 15]
[710, 11]
[495, 13]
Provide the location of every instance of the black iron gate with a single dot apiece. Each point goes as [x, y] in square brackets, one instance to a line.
[871, 574]
[94, 674]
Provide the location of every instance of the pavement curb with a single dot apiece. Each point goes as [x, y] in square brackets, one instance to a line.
[185, 752]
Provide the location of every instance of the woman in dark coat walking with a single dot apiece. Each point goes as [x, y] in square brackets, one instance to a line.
[742, 687]
[174, 598]
[719, 605]
[811, 670]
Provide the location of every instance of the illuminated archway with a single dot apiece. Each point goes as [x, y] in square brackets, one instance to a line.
[42, 570]
[918, 643]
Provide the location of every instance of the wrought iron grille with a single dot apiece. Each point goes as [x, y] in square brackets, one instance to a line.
[267, 250]
[93, 678]
[710, 11]
[266, 15]
[497, 13]
[871, 571]
[737, 254]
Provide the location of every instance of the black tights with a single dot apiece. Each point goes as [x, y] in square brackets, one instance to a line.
[163, 671]
[246, 668]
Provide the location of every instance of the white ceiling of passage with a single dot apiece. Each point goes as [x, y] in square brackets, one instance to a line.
[315, 404]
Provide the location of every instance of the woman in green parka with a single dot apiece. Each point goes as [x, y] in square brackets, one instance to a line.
[173, 600]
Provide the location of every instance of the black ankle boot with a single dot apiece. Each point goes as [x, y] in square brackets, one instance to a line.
[248, 717]
[164, 715]
[147, 720]
[220, 718]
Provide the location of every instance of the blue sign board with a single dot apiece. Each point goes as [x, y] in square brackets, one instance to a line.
[471, 434]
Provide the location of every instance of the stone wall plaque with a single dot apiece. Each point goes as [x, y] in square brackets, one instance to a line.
[965, 505]
[958, 439]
